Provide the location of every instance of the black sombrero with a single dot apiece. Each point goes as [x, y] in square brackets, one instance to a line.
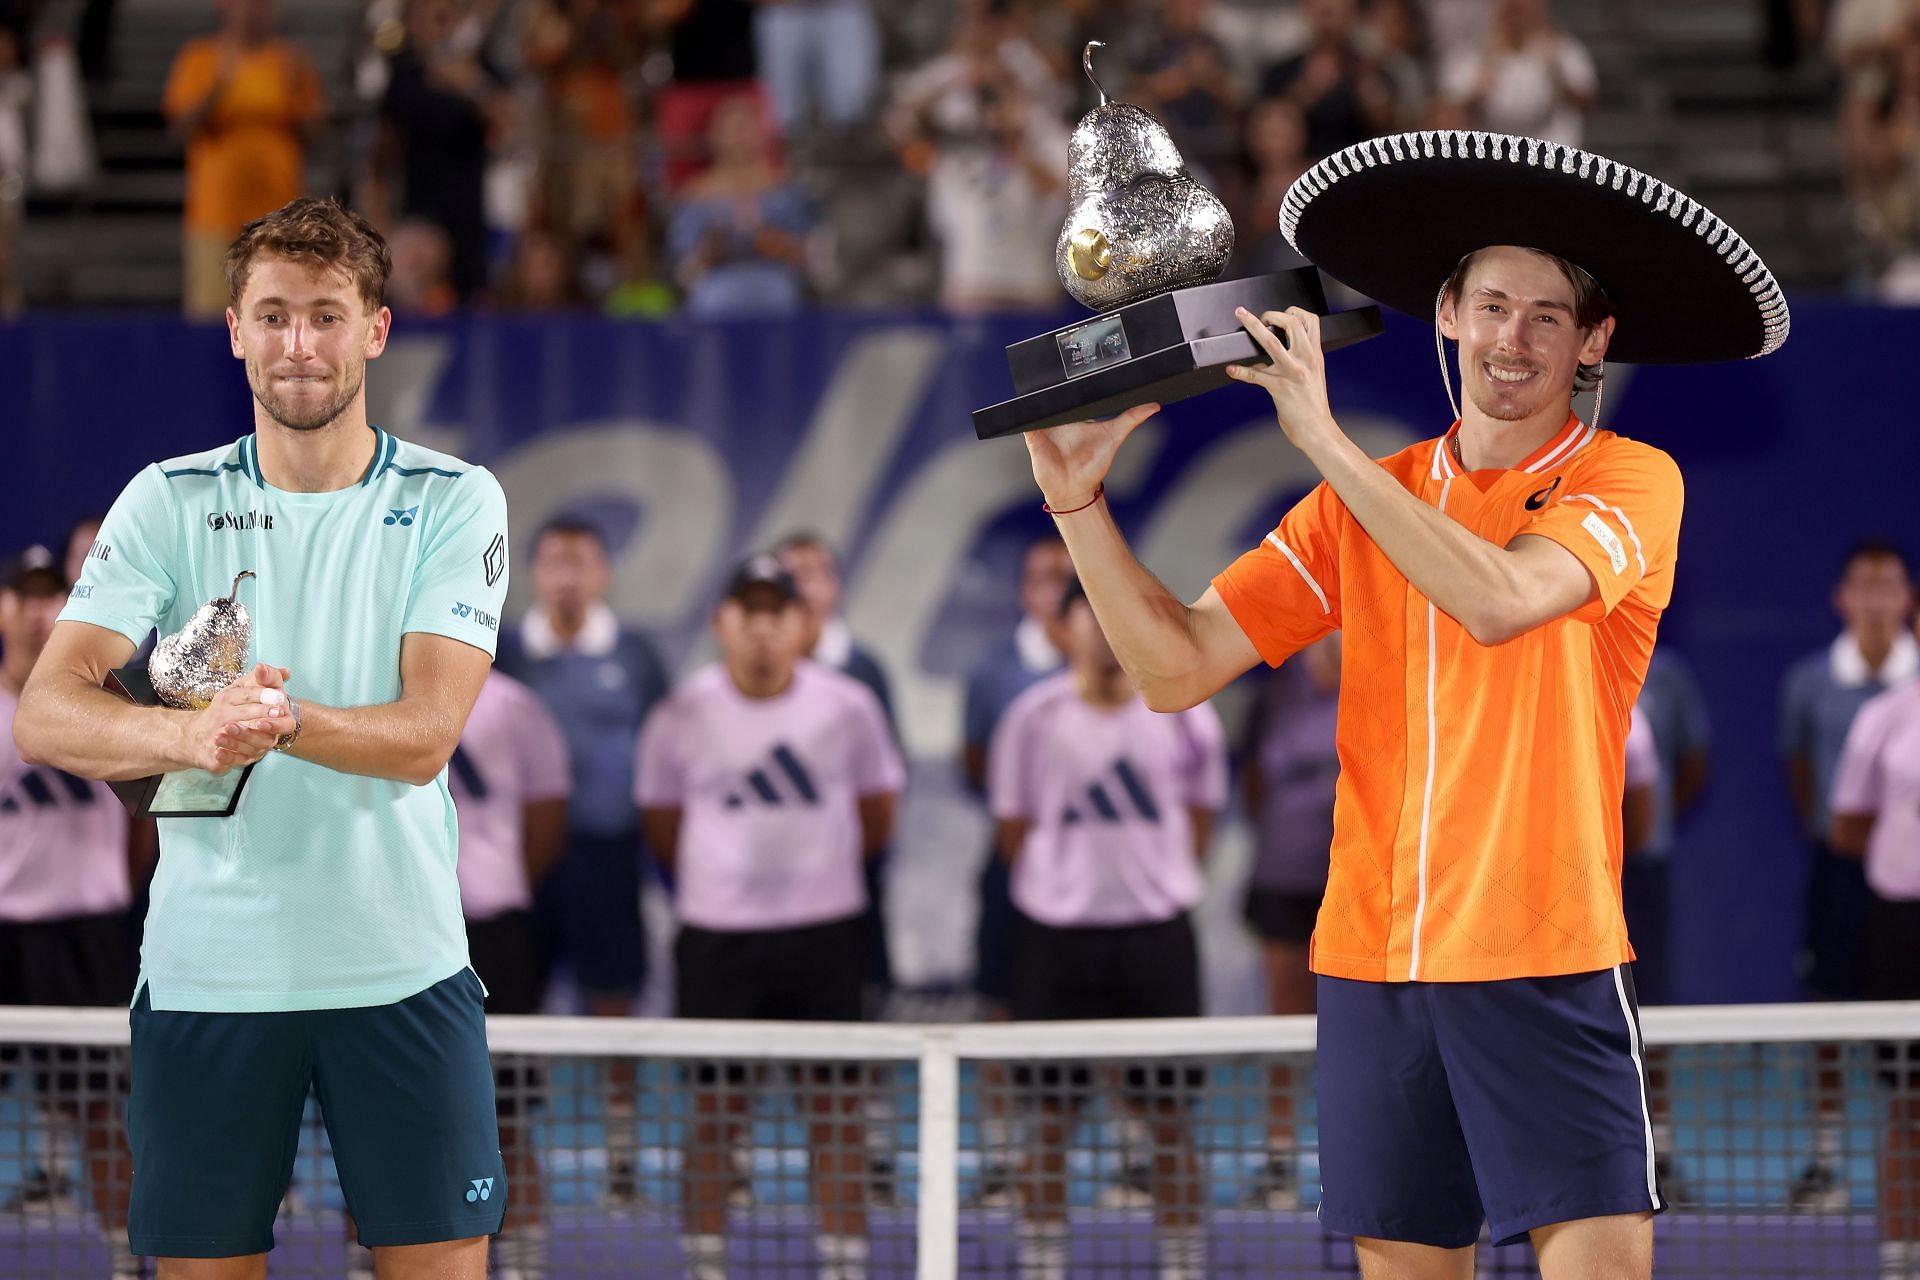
[1392, 217]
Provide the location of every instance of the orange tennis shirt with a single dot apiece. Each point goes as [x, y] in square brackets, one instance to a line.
[1477, 818]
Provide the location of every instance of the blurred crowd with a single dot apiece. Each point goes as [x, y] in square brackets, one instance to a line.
[1875, 45]
[742, 156]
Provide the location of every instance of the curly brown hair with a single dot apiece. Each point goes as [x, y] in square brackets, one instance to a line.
[1590, 303]
[319, 233]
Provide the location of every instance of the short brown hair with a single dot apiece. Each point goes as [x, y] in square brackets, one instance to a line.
[320, 234]
[1590, 302]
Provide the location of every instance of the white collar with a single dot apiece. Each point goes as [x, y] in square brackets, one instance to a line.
[834, 648]
[1036, 651]
[599, 632]
[1848, 665]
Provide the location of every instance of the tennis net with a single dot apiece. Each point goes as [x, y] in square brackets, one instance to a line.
[1149, 1149]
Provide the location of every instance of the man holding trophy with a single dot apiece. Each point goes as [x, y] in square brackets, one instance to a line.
[1498, 590]
[305, 930]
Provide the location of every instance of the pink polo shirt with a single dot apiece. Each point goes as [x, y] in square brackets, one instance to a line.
[1106, 791]
[63, 840]
[511, 755]
[1879, 773]
[769, 792]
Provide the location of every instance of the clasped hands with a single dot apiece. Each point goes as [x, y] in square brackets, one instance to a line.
[242, 723]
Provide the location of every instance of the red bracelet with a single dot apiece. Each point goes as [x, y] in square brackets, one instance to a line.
[1099, 491]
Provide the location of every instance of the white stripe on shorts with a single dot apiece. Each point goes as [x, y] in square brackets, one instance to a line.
[1640, 1071]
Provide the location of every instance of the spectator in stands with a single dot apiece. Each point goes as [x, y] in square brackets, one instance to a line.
[1104, 809]
[1819, 699]
[981, 123]
[1277, 155]
[1876, 818]
[67, 865]
[1880, 148]
[600, 680]
[710, 43]
[1675, 713]
[422, 279]
[1337, 84]
[16, 92]
[815, 569]
[738, 239]
[581, 51]
[819, 61]
[1396, 33]
[1288, 772]
[1185, 81]
[246, 103]
[543, 276]
[444, 102]
[1530, 77]
[764, 782]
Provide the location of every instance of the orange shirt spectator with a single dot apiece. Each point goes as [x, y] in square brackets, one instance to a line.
[243, 99]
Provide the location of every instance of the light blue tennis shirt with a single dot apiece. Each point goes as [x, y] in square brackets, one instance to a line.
[325, 890]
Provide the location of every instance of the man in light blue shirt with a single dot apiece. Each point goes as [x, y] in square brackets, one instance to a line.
[314, 939]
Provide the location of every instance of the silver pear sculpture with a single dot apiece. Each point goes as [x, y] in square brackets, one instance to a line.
[1137, 223]
[196, 662]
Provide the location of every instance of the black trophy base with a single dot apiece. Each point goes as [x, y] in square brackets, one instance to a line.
[188, 793]
[1160, 349]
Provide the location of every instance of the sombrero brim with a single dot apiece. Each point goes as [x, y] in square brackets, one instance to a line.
[1392, 216]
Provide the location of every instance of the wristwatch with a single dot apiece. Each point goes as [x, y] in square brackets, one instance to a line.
[288, 738]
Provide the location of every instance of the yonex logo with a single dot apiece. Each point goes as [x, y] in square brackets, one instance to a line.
[482, 1190]
[1102, 802]
[401, 516]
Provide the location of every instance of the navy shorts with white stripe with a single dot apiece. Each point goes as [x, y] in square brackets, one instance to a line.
[1520, 1103]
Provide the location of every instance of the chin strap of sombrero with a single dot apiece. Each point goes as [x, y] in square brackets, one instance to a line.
[1446, 379]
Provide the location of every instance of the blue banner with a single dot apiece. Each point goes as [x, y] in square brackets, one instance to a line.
[694, 443]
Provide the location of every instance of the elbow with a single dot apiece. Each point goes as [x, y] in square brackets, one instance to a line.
[1494, 622]
[27, 741]
[1168, 698]
[423, 771]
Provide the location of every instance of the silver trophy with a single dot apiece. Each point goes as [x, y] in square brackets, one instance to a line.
[186, 670]
[1144, 244]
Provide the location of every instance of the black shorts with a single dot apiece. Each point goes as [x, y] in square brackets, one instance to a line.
[505, 952]
[1123, 971]
[1279, 915]
[812, 973]
[1893, 973]
[78, 960]
[589, 914]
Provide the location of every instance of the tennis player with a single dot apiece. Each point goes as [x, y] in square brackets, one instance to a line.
[314, 939]
[1498, 589]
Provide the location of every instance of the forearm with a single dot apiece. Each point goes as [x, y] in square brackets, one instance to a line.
[1468, 578]
[400, 741]
[80, 728]
[1150, 629]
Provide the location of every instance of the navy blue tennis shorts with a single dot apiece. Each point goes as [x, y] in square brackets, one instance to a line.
[1519, 1103]
[406, 1091]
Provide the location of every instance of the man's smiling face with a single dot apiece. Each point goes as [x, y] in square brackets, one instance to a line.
[1520, 341]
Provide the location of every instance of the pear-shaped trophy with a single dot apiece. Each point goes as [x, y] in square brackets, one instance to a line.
[185, 671]
[1144, 244]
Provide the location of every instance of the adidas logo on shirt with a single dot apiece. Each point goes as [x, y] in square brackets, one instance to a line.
[784, 780]
[1126, 798]
[34, 789]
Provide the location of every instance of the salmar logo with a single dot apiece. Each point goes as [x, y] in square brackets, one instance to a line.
[217, 520]
[482, 1190]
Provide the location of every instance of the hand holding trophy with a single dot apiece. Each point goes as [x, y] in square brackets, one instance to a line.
[1145, 244]
[202, 667]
